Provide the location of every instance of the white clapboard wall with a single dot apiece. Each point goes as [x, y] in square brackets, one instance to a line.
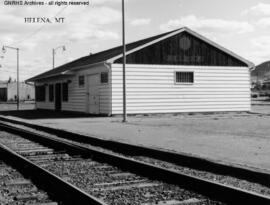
[151, 89]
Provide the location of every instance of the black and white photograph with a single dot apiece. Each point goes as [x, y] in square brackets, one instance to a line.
[134, 102]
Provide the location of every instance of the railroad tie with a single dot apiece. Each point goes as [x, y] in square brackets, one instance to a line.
[191, 201]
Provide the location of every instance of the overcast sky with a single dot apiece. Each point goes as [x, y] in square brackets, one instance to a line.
[242, 26]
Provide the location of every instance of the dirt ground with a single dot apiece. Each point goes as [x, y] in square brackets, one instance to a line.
[13, 106]
[233, 138]
[263, 109]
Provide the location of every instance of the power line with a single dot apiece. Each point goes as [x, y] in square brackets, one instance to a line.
[38, 30]
[7, 68]
[11, 71]
[7, 71]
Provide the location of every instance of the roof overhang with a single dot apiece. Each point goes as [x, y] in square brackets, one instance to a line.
[70, 72]
[65, 73]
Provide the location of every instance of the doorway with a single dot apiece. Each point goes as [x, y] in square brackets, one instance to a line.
[93, 93]
[58, 97]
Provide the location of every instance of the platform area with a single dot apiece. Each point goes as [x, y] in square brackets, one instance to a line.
[241, 139]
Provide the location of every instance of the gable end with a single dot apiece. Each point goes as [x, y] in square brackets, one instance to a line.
[183, 49]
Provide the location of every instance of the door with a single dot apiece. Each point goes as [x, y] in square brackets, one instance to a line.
[93, 93]
[58, 97]
[3, 94]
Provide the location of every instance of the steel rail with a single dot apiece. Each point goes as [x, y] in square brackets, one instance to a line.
[213, 190]
[182, 159]
[60, 189]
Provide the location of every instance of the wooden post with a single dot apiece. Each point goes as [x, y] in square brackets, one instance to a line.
[124, 64]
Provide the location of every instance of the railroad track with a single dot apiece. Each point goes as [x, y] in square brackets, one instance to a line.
[19, 182]
[91, 173]
[135, 183]
[140, 152]
[250, 179]
[19, 190]
[23, 183]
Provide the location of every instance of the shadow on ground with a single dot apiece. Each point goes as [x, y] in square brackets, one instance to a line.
[45, 114]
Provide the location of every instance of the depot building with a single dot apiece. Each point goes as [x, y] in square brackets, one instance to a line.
[177, 71]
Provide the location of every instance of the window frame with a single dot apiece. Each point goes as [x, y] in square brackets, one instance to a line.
[81, 85]
[104, 83]
[184, 83]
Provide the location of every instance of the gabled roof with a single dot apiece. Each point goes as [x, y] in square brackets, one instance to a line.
[115, 53]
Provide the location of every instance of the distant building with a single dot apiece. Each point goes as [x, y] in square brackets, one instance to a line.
[177, 71]
[8, 91]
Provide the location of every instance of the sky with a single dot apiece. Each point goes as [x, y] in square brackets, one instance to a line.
[242, 26]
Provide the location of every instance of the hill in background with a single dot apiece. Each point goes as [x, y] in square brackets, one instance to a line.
[261, 72]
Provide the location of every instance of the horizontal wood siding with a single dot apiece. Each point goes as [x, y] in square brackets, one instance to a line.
[105, 99]
[104, 89]
[77, 95]
[151, 89]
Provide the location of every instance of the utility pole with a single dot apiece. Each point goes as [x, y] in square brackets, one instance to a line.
[18, 80]
[54, 52]
[124, 64]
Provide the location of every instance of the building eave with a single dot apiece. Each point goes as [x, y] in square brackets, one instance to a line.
[65, 73]
[225, 50]
[70, 72]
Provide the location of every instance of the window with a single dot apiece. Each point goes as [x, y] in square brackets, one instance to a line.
[65, 91]
[184, 77]
[104, 77]
[81, 81]
[40, 93]
[51, 93]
